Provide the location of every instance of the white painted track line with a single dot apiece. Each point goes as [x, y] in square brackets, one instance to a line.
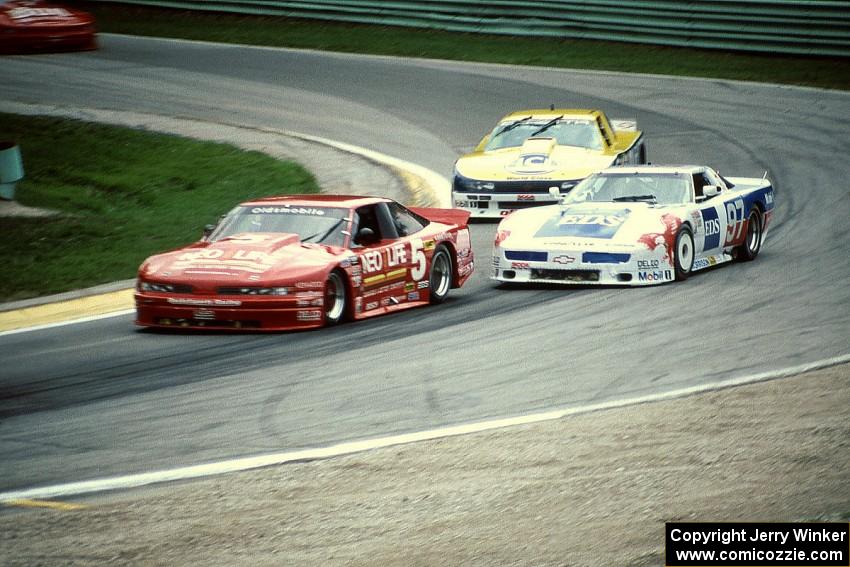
[244, 464]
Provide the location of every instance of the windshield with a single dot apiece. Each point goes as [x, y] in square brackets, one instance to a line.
[567, 132]
[320, 225]
[663, 189]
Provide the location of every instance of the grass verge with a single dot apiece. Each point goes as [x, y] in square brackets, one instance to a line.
[824, 72]
[122, 195]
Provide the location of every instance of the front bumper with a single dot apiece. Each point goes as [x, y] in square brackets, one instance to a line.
[622, 267]
[496, 199]
[498, 205]
[229, 312]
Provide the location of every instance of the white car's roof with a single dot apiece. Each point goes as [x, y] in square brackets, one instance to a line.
[658, 169]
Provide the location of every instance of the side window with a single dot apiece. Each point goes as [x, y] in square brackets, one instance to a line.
[717, 179]
[405, 221]
[365, 218]
[700, 181]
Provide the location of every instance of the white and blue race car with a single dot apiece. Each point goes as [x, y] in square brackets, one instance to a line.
[636, 226]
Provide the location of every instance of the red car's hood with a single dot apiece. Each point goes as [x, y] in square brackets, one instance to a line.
[28, 13]
[248, 259]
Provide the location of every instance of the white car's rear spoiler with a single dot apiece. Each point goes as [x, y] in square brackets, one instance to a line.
[624, 124]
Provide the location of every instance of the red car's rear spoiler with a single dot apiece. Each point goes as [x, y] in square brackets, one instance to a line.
[445, 216]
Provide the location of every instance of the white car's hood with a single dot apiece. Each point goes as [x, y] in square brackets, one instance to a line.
[590, 225]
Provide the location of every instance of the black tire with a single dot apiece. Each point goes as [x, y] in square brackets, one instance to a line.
[683, 253]
[748, 251]
[440, 275]
[336, 298]
[642, 155]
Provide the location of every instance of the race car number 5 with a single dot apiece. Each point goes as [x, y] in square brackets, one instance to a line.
[418, 256]
[734, 220]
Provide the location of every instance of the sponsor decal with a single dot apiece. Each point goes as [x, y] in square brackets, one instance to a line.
[525, 197]
[317, 302]
[460, 204]
[396, 255]
[563, 259]
[371, 305]
[520, 265]
[358, 304]
[310, 285]
[309, 315]
[648, 264]
[288, 210]
[204, 314]
[204, 302]
[768, 198]
[422, 284]
[24, 13]
[603, 224]
[374, 260]
[255, 261]
[706, 262]
[413, 296]
[506, 212]
[466, 269]
[429, 244]
[409, 286]
[712, 228]
[308, 294]
[655, 276]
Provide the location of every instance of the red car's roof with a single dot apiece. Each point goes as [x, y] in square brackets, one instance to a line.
[319, 200]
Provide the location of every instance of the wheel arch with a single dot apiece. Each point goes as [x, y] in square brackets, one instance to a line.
[450, 248]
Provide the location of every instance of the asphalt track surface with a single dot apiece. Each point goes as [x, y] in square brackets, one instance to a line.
[102, 398]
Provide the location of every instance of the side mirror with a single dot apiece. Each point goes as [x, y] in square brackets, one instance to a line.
[365, 236]
[555, 193]
[710, 191]
[208, 229]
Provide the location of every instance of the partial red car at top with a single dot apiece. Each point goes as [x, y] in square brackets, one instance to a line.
[305, 261]
[36, 26]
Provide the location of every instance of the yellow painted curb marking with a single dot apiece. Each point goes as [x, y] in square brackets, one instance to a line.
[66, 310]
[63, 506]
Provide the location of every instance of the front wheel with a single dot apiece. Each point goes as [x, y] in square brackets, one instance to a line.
[335, 298]
[751, 246]
[684, 253]
[440, 276]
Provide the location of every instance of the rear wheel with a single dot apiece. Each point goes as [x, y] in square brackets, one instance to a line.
[684, 253]
[335, 298]
[440, 276]
[751, 246]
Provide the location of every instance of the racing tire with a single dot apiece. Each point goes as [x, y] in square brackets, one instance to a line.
[683, 253]
[642, 155]
[440, 276]
[748, 251]
[336, 298]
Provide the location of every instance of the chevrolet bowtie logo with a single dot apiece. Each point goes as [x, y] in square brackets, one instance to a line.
[563, 259]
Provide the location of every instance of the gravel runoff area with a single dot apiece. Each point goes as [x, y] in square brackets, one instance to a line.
[587, 490]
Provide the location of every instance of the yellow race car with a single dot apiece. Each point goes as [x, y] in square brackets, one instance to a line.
[530, 151]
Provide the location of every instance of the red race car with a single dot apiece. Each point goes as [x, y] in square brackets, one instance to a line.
[32, 25]
[305, 261]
